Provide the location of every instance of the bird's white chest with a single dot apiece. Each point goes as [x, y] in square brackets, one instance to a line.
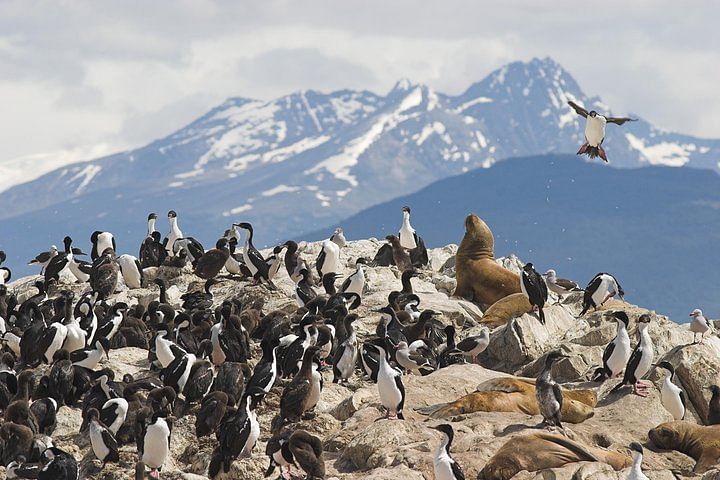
[332, 257]
[357, 282]
[390, 396]
[75, 338]
[173, 235]
[217, 355]
[98, 445]
[595, 130]
[79, 274]
[254, 435]
[407, 234]
[699, 325]
[163, 352]
[57, 342]
[347, 361]
[314, 396]
[156, 444]
[670, 396]
[621, 353]
[443, 466]
[248, 261]
[646, 359]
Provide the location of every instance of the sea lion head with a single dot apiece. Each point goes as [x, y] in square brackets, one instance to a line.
[478, 241]
[500, 466]
[666, 436]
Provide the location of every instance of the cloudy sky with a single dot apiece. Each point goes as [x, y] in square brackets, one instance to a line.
[89, 78]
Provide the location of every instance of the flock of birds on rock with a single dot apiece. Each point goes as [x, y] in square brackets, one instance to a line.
[54, 343]
[202, 354]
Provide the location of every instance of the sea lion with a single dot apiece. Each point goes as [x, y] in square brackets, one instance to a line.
[505, 309]
[521, 384]
[699, 442]
[510, 394]
[539, 451]
[479, 277]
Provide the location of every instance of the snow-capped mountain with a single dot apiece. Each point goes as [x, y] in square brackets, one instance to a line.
[309, 159]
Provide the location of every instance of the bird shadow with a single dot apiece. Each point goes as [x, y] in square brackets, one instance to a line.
[518, 427]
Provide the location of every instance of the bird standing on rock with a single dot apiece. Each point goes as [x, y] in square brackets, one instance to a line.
[617, 353]
[173, 234]
[44, 258]
[328, 260]
[102, 440]
[599, 290]
[390, 387]
[548, 393]
[560, 286]
[534, 287]
[213, 261]
[338, 237]
[408, 237]
[699, 324]
[672, 396]
[640, 361]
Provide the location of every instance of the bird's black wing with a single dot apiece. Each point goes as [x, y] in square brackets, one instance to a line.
[194, 247]
[684, 404]
[108, 414]
[320, 262]
[620, 120]
[457, 471]
[346, 283]
[111, 442]
[55, 266]
[578, 109]
[533, 289]
[140, 270]
[307, 456]
[258, 261]
[401, 387]
[629, 377]
[567, 284]
[608, 353]
[542, 285]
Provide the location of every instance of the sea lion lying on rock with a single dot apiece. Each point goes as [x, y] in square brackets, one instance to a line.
[540, 451]
[479, 277]
[699, 442]
[505, 309]
[512, 394]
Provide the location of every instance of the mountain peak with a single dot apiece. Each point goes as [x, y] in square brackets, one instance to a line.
[403, 85]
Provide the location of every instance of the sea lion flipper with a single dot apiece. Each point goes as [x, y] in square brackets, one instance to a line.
[430, 409]
[583, 453]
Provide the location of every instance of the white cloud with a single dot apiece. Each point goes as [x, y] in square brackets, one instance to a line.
[111, 73]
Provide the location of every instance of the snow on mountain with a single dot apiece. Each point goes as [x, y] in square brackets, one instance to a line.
[309, 159]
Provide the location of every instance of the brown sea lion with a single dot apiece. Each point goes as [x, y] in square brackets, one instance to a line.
[509, 394]
[479, 277]
[699, 442]
[539, 451]
[588, 396]
[505, 309]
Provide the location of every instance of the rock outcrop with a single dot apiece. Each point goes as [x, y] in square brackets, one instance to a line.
[359, 444]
